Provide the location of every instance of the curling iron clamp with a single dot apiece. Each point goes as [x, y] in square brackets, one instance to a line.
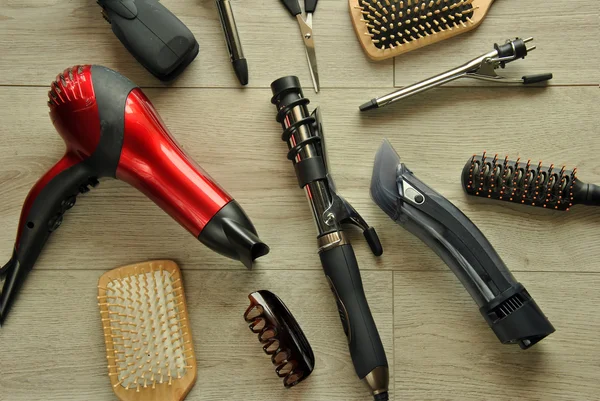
[303, 134]
[483, 68]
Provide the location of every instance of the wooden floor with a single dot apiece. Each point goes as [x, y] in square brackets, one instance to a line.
[438, 346]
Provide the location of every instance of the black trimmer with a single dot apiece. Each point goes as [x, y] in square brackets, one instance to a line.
[504, 303]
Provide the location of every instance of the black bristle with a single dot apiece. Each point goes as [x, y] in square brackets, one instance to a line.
[393, 23]
[510, 181]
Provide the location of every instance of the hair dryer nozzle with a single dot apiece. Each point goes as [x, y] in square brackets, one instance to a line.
[384, 183]
[231, 233]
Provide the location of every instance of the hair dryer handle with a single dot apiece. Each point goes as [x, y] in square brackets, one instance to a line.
[42, 213]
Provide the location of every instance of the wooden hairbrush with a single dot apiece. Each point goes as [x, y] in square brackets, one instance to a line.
[388, 28]
[147, 333]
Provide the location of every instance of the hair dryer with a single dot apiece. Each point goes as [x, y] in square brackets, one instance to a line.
[112, 130]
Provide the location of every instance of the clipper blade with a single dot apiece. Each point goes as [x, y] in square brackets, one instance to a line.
[384, 181]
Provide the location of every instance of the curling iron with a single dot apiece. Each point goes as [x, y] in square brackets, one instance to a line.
[483, 67]
[112, 130]
[303, 134]
[505, 304]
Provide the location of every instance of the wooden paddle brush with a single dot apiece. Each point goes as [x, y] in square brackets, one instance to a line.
[388, 28]
[147, 333]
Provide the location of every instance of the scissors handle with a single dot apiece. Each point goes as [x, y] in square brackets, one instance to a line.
[293, 6]
[310, 6]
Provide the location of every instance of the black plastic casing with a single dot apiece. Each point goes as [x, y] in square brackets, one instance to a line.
[231, 233]
[153, 35]
[516, 318]
[507, 307]
[342, 272]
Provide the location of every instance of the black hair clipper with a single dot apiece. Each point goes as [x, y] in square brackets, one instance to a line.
[152, 34]
[504, 303]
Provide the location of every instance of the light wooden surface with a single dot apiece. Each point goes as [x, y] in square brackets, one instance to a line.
[438, 346]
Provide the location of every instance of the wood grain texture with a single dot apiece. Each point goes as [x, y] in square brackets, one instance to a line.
[444, 350]
[54, 335]
[244, 153]
[70, 33]
[438, 345]
[564, 31]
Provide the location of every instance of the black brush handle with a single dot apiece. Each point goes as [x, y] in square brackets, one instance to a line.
[586, 194]
[153, 35]
[364, 342]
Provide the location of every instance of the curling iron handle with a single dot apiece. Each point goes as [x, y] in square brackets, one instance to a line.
[366, 349]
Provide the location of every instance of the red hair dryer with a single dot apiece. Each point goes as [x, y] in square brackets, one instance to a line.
[112, 130]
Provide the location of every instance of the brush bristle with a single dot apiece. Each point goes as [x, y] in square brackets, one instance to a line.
[520, 182]
[395, 23]
[145, 327]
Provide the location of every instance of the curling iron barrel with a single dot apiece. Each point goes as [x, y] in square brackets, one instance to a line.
[304, 135]
[483, 68]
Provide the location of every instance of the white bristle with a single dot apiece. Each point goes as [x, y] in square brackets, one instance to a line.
[145, 320]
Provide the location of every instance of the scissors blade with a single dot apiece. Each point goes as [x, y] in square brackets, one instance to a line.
[309, 46]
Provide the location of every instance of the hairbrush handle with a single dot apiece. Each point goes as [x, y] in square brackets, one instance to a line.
[586, 194]
[152, 34]
[366, 348]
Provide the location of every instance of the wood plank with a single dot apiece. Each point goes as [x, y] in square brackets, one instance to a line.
[54, 334]
[446, 351]
[564, 31]
[244, 154]
[67, 34]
